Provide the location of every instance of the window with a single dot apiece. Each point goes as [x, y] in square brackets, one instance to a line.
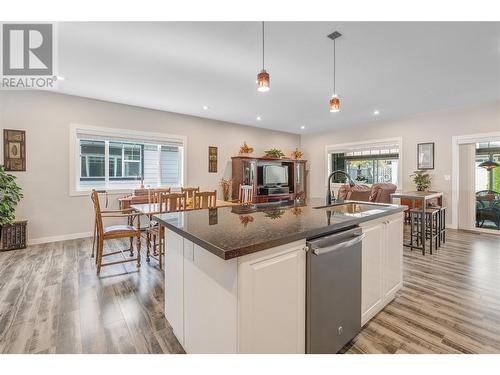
[366, 164]
[110, 159]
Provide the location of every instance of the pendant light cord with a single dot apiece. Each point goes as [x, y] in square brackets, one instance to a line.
[263, 49]
[334, 68]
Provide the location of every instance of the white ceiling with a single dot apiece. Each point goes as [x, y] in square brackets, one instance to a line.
[397, 68]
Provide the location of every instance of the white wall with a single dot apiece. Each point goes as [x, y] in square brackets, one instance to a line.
[53, 214]
[438, 127]
[46, 117]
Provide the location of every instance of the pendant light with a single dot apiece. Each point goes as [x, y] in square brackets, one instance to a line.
[263, 76]
[489, 165]
[335, 100]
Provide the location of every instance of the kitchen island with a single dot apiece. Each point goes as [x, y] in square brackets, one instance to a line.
[235, 277]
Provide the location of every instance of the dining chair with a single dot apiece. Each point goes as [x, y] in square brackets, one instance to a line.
[205, 199]
[189, 193]
[154, 195]
[115, 232]
[155, 233]
[106, 201]
[245, 195]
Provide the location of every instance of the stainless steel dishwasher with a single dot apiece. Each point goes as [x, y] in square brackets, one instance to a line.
[333, 306]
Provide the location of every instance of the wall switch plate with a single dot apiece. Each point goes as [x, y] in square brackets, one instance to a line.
[447, 177]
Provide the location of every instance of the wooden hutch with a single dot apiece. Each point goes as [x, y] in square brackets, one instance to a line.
[249, 171]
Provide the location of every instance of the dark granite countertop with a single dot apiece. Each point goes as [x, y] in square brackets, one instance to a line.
[231, 232]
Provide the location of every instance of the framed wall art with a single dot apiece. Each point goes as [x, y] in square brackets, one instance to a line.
[212, 159]
[425, 155]
[14, 143]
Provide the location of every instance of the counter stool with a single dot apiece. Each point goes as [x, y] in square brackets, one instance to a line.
[442, 225]
[432, 231]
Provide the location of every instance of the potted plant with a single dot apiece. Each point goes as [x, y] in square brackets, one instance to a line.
[274, 153]
[12, 233]
[422, 180]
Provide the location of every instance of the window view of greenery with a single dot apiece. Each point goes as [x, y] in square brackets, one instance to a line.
[368, 166]
[128, 163]
[487, 171]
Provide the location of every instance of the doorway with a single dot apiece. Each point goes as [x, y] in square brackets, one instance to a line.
[487, 185]
[476, 182]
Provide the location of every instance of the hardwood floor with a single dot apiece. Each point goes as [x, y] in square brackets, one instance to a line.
[51, 301]
[449, 303]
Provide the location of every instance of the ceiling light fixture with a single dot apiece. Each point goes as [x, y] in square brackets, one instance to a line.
[335, 100]
[302, 127]
[263, 76]
[259, 118]
[376, 112]
[206, 107]
[489, 165]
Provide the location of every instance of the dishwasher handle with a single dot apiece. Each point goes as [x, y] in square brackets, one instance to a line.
[328, 249]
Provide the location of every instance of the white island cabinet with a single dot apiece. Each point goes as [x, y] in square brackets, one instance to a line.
[255, 303]
[382, 264]
[250, 304]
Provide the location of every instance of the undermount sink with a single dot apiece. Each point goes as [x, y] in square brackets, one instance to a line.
[350, 208]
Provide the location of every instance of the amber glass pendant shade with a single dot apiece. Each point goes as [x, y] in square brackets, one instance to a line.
[263, 81]
[334, 104]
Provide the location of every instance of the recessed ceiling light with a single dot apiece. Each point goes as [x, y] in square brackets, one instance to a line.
[376, 112]
[259, 118]
[206, 107]
[302, 127]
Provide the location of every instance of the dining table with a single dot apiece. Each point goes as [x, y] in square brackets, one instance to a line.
[423, 197]
[150, 209]
[154, 208]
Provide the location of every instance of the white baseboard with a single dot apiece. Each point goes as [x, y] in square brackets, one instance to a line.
[64, 237]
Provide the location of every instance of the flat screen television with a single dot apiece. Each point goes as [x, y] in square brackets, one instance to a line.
[275, 175]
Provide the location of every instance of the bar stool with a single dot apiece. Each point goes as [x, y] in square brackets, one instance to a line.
[442, 225]
[432, 231]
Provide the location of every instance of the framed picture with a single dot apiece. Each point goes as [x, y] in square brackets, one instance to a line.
[14, 150]
[425, 155]
[212, 159]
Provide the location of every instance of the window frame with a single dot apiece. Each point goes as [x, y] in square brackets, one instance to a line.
[369, 144]
[115, 134]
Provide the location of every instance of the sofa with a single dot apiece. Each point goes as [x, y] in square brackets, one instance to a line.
[377, 193]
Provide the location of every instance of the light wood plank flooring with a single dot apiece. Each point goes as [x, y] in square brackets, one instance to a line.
[51, 301]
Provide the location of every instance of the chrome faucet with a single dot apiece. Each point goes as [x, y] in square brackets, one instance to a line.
[329, 198]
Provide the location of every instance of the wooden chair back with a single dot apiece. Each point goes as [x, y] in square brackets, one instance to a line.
[205, 199]
[172, 202]
[155, 195]
[97, 209]
[190, 191]
[245, 195]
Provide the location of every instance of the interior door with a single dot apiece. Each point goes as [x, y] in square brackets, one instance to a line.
[466, 194]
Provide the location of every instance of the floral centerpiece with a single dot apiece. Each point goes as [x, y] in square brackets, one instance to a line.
[245, 150]
[226, 188]
[297, 155]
